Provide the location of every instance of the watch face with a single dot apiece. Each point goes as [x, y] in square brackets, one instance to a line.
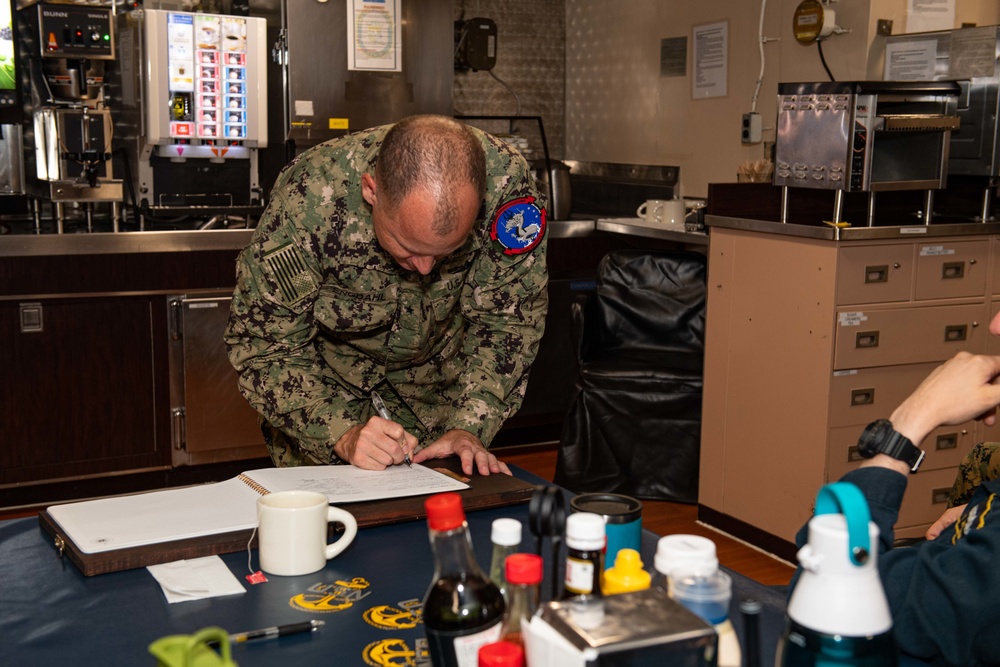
[874, 435]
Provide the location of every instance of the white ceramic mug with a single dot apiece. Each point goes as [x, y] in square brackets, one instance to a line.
[291, 532]
[651, 210]
[673, 213]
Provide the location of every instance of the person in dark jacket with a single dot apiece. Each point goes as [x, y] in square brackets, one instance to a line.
[944, 593]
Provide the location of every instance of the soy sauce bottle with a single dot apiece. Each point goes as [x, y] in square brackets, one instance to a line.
[463, 609]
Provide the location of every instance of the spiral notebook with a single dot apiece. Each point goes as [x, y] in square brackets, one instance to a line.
[122, 522]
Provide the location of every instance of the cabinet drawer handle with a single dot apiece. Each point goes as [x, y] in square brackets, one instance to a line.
[956, 332]
[952, 270]
[947, 441]
[853, 455]
[866, 339]
[877, 274]
[31, 317]
[864, 396]
[940, 496]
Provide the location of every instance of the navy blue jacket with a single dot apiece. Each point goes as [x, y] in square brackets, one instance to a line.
[944, 594]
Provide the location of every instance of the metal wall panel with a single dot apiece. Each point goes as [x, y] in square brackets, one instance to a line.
[319, 82]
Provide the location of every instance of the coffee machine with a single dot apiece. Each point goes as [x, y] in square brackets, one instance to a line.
[68, 129]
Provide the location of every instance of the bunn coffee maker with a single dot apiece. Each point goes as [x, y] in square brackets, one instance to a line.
[68, 131]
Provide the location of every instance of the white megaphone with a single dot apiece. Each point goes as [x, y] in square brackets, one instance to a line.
[838, 613]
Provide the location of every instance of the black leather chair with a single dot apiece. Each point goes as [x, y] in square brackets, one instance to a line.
[634, 425]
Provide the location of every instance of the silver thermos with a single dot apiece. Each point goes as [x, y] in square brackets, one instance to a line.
[560, 199]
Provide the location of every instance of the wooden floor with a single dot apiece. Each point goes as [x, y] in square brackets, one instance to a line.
[666, 518]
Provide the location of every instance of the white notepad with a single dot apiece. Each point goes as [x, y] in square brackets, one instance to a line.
[208, 509]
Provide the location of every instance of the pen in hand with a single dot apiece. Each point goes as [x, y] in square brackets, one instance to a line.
[384, 414]
[276, 631]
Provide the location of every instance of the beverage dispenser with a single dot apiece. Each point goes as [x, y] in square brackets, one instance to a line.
[194, 111]
[68, 132]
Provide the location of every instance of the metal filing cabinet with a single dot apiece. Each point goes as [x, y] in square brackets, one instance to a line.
[810, 340]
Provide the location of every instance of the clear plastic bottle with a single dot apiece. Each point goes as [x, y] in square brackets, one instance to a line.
[585, 541]
[506, 538]
[463, 609]
[524, 574]
[707, 593]
[675, 551]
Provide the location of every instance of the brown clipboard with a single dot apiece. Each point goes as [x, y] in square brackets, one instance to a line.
[484, 492]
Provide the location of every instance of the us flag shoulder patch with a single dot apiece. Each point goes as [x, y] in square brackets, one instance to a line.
[288, 268]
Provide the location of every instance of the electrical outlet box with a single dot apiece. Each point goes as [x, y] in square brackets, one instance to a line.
[752, 128]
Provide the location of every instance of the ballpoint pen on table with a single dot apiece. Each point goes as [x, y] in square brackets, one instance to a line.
[384, 414]
[276, 631]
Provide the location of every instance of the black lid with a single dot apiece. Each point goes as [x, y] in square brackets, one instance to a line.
[614, 507]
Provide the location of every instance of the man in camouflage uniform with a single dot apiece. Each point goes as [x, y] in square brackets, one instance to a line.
[409, 261]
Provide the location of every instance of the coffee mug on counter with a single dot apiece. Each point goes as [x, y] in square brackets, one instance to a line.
[291, 532]
[651, 210]
[669, 212]
[673, 213]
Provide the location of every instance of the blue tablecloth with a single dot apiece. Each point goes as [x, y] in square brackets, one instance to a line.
[50, 614]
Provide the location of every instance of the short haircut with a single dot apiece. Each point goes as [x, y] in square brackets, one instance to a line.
[433, 152]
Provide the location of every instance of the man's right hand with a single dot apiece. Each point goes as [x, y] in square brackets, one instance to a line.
[959, 390]
[375, 445]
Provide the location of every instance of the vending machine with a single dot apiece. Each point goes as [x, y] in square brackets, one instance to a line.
[192, 91]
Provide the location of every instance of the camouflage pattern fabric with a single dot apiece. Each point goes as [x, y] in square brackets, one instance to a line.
[980, 465]
[322, 315]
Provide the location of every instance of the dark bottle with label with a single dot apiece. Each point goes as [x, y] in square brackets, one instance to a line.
[463, 609]
[584, 555]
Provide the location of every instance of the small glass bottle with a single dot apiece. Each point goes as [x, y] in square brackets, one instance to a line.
[584, 555]
[463, 609]
[501, 654]
[506, 538]
[524, 574]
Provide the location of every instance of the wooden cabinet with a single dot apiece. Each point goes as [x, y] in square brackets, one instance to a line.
[80, 395]
[86, 340]
[810, 339]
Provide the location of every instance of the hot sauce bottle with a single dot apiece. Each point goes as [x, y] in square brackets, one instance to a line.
[463, 609]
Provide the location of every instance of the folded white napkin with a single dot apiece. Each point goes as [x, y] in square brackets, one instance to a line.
[195, 579]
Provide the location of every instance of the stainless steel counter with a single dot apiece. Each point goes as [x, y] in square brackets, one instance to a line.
[28, 245]
[831, 233]
[639, 227]
[32, 245]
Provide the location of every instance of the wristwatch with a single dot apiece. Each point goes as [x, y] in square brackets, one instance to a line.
[880, 437]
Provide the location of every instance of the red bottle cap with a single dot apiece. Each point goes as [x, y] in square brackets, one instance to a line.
[444, 511]
[524, 569]
[501, 654]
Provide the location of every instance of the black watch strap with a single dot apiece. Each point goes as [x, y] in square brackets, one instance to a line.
[880, 437]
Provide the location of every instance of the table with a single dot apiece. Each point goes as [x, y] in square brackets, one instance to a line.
[50, 614]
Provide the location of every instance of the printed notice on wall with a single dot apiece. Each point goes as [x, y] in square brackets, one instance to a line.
[973, 52]
[710, 67]
[926, 15]
[911, 60]
[673, 56]
[373, 35]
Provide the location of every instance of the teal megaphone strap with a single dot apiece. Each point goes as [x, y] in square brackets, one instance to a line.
[847, 499]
